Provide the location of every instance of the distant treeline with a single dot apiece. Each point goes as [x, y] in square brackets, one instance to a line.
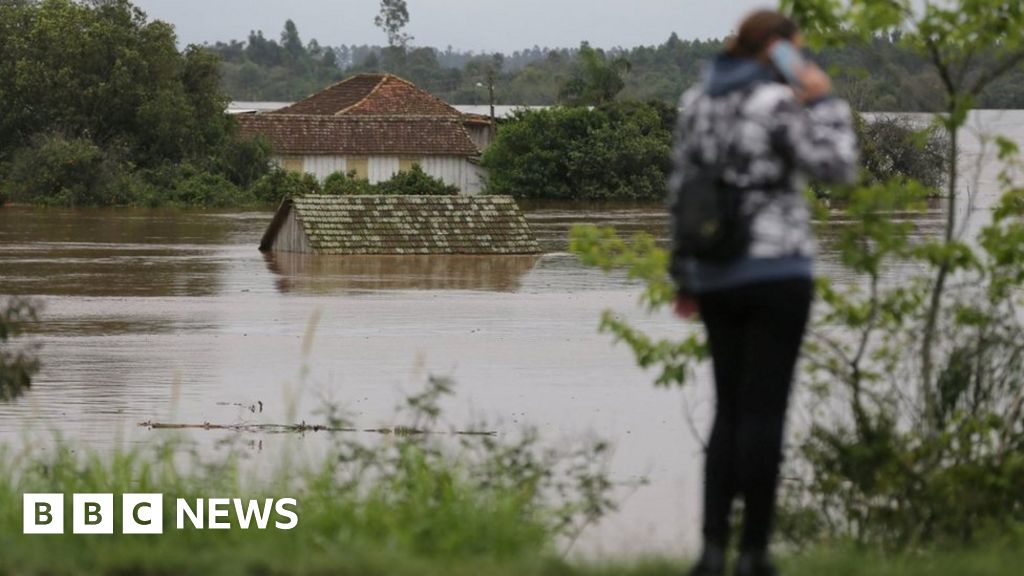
[883, 76]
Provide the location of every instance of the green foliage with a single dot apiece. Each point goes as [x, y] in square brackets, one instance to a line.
[900, 78]
[101, 70]
[185, 185]
[596, 80]
[55, 169]
[243, 161]
[96, 97]
[642, 260]
[412, 182]
[415, 182]
[17, 363]
[893, 147]
[279, 184]
[614, 152]
[265, 69]
[340, 184]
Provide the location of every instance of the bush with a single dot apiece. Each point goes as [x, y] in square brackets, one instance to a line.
[416, 182]
[341, 184]
[619, 151]
[66, 171]
[243, 160]
[893, 147]
[412, 182]
[184, 185]
[279, 184]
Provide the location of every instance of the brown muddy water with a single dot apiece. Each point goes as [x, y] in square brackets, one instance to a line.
[175, 316]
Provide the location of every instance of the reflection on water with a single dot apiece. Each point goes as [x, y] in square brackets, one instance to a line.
[168, 315]
[315, 274]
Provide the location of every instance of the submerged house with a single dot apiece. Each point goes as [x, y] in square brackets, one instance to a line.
[386, 225]
[375, 125]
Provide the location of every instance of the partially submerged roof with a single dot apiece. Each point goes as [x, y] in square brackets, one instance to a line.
[406, 225]
[372, 95]
[363, 135]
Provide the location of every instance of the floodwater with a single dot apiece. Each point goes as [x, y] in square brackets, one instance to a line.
[175, 316]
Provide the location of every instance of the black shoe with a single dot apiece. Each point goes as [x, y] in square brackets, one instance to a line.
[711, 563]
[755, 564]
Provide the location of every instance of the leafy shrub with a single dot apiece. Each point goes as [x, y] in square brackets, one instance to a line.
[243, 160]
[278, 184]
[412, 182]
[897, 148]
[619, 151]
[185, 185]
[416, 182]
[893, 147]
[341, 184]
[66, 171]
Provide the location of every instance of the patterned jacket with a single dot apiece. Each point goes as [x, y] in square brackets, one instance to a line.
[776, 143]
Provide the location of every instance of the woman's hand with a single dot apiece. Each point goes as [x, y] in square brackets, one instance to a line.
[814, 83]
[685, 307]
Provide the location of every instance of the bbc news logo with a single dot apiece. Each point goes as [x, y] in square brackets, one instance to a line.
[144, 513]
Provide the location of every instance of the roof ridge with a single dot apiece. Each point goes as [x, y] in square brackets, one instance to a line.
[387, 76]
[431, 94]
[383, 79]
[359, 118]
[320, 91]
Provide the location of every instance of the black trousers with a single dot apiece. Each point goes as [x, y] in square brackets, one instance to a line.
[755, 332]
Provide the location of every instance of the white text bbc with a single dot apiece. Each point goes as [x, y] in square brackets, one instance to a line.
[143, 513]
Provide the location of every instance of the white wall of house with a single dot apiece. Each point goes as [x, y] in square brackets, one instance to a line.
[480, 134]
[456, 170]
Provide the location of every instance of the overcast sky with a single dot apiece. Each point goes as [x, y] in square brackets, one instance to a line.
[480, 25]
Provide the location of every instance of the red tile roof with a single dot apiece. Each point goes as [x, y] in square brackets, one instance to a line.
[372, 95]
[360, 135]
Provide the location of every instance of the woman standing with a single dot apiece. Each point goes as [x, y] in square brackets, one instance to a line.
[766, 120]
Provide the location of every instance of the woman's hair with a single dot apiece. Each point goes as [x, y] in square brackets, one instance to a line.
[758, 30]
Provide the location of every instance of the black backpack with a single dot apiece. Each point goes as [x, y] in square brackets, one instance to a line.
[709, 221]
[710, 224]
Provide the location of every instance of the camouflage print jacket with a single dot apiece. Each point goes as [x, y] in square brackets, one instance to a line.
[778, 143]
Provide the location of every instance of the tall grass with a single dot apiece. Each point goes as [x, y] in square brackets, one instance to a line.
[410, 502]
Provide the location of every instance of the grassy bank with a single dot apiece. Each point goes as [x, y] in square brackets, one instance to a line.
[396, 505]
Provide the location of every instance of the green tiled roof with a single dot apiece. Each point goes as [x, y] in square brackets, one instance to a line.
[409, 225]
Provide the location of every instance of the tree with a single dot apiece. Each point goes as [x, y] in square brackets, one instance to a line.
[291, 42]
[96, 98]
[104, 72]
[597, 80]
[618, 151]
[393, 17]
